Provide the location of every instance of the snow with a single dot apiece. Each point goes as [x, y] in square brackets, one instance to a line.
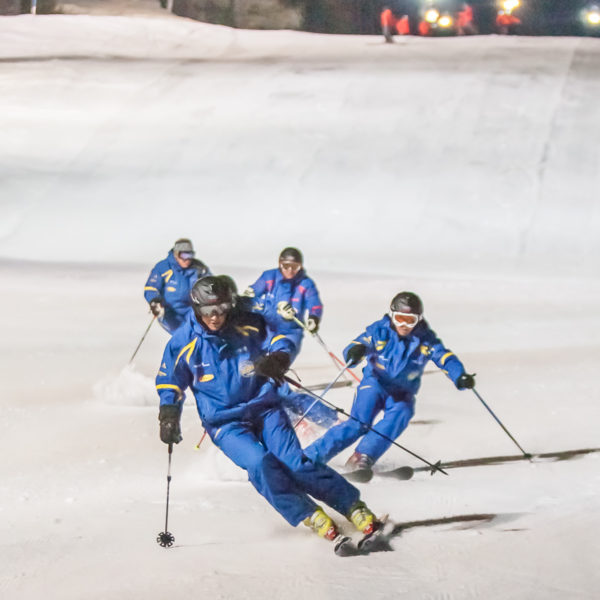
[463, 169]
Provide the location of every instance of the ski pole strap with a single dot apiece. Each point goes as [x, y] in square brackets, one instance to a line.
[434, 467]
[526, 454]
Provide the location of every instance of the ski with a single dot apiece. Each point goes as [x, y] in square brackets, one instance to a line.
[380, 540]
[401, 473]
[322, 386]
[365, 475]
[377, 541]
[359, 475]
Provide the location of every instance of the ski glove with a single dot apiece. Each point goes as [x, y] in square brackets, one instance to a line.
[355, 354]
[272, 365]
[157, 307]
[312, 324]
[466, 382]
[170, 429]
[286, 310]
[248, 292]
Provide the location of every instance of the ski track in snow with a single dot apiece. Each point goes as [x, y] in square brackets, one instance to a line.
[458, 168]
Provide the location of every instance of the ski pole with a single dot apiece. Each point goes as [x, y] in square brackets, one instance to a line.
[435, 467]
[322, 394]
[333, 356]
[166, 538]
[143, 338]
[525, 454]
[197, 446]
[336, 361]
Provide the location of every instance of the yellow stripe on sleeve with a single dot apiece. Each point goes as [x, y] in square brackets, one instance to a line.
[168, 386]
[446, 357]
[149, 288]
[276, 338]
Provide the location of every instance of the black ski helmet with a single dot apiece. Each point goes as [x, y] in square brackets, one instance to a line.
[210, 291]
[231, 283]
[407, 302]
[291, 255]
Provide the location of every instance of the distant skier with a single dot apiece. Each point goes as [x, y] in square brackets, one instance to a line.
[168, 287]
[219, 353]
[390, 24]
[285, 295]
[397, 348]
[465, 24]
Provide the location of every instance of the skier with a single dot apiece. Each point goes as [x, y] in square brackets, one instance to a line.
[285, 296]
[287, 293]
[168, 287]
[464, 20]
[219, 354]
[397, 348]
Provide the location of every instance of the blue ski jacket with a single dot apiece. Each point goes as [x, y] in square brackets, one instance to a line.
[173, 283]
[398, 362]
[219, 368]
[272, 287]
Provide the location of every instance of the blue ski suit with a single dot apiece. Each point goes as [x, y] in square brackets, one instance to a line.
[300, 291]
[391, 379]
[242, 414]
[172, 283]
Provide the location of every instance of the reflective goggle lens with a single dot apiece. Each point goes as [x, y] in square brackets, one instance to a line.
[290, 266]
[186, 255]
[408, 319]
[215, 309]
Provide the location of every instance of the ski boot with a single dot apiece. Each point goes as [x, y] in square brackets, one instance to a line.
[359, 468]
[321, 523]
[376, 532]
[362, 518]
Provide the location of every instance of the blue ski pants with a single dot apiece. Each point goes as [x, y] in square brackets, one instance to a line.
[268, 449]
[398, 407]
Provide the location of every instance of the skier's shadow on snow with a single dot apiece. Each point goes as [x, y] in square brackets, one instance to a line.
[473, 521]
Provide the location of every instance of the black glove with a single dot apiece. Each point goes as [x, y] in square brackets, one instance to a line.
[170, 429]
[355, 354]
[466, 382]
[312, 324]
[272, 365]
[157, 307]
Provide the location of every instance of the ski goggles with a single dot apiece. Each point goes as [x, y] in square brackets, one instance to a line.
[402, 318]
[186, 255]
[294, 267]
[213, 310]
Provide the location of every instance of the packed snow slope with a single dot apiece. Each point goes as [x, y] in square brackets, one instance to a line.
[460, 153]
[462, 169]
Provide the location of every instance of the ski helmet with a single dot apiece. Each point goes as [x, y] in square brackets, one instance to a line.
[291, 255]
[231, 283]
[183, 245]
[407, 302]
[211, 292]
